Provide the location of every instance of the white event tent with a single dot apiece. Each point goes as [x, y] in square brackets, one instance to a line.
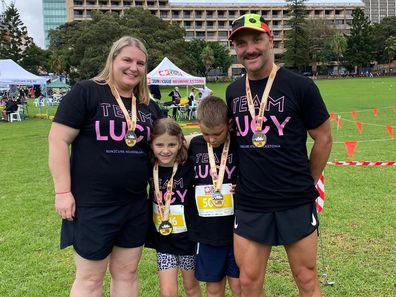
[13, 74]
[168, 74]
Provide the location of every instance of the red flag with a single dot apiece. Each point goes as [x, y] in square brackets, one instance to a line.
[394, 108]
[338, 121]
[332, 115]
[350, 147]
[390, 130]
[375, 111]
[321, 189]
[353, 113]
[359, 126]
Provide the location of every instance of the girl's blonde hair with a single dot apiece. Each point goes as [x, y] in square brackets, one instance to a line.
[172, 128]
[141, 91]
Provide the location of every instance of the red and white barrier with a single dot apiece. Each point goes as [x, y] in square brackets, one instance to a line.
[363, 163]
[320, 200]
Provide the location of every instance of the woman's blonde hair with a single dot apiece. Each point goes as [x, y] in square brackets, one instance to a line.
[106, 75]
[172, 128]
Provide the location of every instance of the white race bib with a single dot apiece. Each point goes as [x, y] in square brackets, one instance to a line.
[176, 218]
[203, 200]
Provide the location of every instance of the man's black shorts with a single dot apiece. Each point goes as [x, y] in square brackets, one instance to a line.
[278, 227]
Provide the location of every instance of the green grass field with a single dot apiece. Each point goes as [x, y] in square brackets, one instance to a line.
[358, 225]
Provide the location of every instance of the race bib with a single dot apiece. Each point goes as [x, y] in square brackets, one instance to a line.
[176, 218]
[205, 206]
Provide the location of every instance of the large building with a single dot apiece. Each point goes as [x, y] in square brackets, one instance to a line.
[211, 19]
[54, 15]
[376, 10]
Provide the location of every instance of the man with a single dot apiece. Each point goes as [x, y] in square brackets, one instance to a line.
[275, 192]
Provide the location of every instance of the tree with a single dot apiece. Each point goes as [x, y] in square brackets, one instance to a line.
[222, 57]
[390, 49]
[338, 44]
[161, 38]
[207, 56]
[381, 32]
[319, 34]
[14, 39]
[195, 48]
[221, 54]
[35, 59]
[360, 43]
[296, 43]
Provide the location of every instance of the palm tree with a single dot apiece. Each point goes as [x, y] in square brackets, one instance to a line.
[338, 44]
[208, 59]
[390, 49]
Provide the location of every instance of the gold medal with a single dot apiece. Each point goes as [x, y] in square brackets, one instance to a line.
[218, 199]
[130, 138]
[165, 228]
[131, 119]
[259, 139]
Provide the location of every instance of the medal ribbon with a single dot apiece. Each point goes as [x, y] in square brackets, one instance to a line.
[218, 178]
[264, 98]
[163, 209]
[130, 119]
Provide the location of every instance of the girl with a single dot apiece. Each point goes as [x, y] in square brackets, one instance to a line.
[170, 192]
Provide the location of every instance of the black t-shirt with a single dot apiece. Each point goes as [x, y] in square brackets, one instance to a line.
[277, 176]
[174, 243]
[216, 230]
[104, 170]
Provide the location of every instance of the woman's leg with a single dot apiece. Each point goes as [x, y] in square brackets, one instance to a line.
[123, 269]
[89, 277]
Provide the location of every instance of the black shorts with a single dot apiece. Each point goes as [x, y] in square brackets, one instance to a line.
[278, 227]
[96, 230]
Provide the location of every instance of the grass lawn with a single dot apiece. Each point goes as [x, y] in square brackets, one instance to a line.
[358, 225]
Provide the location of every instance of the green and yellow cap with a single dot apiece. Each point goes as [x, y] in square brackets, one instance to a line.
[249, 21]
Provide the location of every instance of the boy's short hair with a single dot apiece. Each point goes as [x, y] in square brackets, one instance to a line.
[212, 111]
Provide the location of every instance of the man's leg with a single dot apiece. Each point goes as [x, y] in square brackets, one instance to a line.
[89, 277]
[252, 258]
[302, 259]
[123, 269]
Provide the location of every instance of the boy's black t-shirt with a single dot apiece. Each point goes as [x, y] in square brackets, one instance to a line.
[277, 176]
[104, 170]
[174, 243]
[217, 231]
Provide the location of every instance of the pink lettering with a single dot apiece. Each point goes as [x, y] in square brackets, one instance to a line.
[97, 130]
[112, 131]
[280, 126]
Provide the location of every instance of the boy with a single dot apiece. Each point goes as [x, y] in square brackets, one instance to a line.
[212, 214]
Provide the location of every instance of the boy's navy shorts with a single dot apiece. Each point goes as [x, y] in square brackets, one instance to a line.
[213, 263]
[96, 230]
[278, 227]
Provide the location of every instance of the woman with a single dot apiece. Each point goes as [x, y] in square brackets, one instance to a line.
[100, 189]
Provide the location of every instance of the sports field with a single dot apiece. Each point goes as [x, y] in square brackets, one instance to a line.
[358, 225]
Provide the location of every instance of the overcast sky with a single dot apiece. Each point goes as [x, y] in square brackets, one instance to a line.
[31, 13]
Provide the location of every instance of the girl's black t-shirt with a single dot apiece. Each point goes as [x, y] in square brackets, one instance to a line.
[182, 195]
